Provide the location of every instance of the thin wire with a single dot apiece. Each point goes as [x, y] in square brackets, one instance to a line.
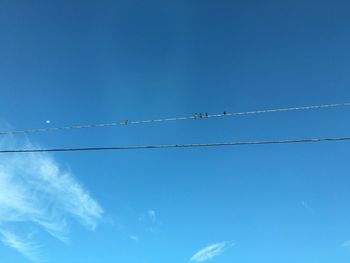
[193, 145]
[192, 117]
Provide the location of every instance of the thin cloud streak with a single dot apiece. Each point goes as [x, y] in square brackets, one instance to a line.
[211, 251]
[346, 244]
[135, 238]
[36, 192]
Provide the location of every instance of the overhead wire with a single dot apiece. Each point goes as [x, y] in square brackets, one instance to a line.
[167, 146]
[191, 117]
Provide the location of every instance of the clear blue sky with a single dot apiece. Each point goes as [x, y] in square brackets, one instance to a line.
[102, 61]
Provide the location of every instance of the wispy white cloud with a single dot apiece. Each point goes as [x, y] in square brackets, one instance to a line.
[306, 206]
[28, 249]
[211, 251]
[152, 215]
[35, 191]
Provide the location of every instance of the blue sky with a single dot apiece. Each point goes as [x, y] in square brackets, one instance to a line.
[74, 62]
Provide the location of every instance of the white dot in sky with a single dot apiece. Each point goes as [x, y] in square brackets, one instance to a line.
[48, 121]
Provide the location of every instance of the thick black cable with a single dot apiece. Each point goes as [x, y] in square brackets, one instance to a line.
[194, 145]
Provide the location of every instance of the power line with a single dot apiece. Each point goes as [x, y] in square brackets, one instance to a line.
[194, 145]
[192, 117]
